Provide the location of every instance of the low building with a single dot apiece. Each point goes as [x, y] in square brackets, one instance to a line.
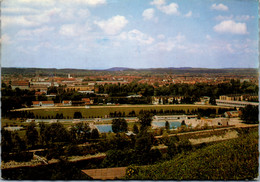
[232, 114]
[42, 103]
[87, 101]
[20, 84]
[67, 102]
[231, 103]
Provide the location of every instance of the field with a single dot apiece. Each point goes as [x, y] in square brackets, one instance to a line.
[104, 111]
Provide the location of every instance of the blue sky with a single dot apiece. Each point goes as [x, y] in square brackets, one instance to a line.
[99, 34]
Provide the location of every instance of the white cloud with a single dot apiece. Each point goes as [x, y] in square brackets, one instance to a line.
[91, 2]
[161, 36]
[136, 35]
[83, 13]
[229, 26]
[244, 17]
[171, 43]
[35, 32]
[229, 48]
[38, 2]
[158, 2]
[208, 37]
[5, 39]
[68, 30]
[237, 18]
[113, 25]
[20, 10]
[188, 14]
[170, 9]
[148, 14]
[167, 9]
[18, 20]
[219, 7]
[221, 18]
[72, 30]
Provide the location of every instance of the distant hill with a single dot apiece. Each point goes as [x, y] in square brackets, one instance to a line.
[124, 70]
[117, 69]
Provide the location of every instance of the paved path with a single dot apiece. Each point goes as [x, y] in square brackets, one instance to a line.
[106, 173]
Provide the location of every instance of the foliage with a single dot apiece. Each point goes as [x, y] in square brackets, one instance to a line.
[80, 132]
[119, 125]
[250, 114]
[31, 134]
[220, 161]
[183, 123]
[94, 134]
[77, 115]
[56, 133]
[145, 119]
[135, 129]
[167, 125]
[144, 141]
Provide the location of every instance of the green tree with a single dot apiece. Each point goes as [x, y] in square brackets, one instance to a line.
[212, 101]
[145, 119]
[57, 133]
[119, 125]
[143, 142]
[94, 134]
[135, 129]
[31, 134]
[77, 115]
[6, 141]
[167, 126]
[183, 123]
[82, 131]
[43, 128]
[250, 114]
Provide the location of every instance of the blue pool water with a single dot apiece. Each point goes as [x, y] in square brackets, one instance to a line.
[104, 128]
[173, 124]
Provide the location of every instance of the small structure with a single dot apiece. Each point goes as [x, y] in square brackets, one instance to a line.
[29, 120]
[67, 102]
[42, 103]
[203, 100]
[134, 96]
[13, 128]
[232, 114]
[87, 101]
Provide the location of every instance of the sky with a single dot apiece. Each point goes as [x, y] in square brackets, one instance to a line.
[100, 34]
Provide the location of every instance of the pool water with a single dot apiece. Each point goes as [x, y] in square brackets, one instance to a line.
[104, 128]
[173, 124]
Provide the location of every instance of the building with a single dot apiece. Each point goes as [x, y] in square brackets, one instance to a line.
[232, 114]
[43, 103]
[20, 84]
[203, 100]
[231, 103]
[67, 102]
[156, 100]
[87, 101]
[238, 97]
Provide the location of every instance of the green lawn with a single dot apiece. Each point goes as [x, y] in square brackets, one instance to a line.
[103, 111]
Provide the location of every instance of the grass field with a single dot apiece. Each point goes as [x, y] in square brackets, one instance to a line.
[103, 111]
